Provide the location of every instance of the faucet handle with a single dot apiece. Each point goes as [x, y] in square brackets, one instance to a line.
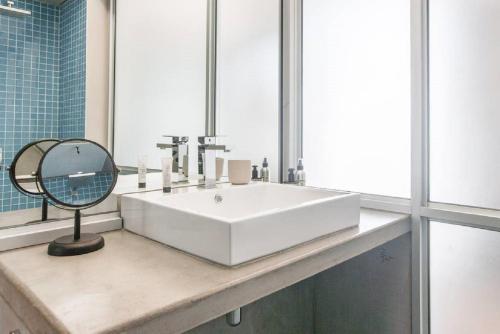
[211, 140]
[177, 139]
[206, 140]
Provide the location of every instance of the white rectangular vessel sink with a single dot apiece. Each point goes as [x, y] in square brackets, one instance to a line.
[234, 224]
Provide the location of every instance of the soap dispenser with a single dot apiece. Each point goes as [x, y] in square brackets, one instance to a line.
[264, 171]
[301, 174]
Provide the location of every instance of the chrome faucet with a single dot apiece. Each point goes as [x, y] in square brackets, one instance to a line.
[180, 155]
[207, 155]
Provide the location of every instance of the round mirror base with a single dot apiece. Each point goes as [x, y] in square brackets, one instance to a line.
[68, 246]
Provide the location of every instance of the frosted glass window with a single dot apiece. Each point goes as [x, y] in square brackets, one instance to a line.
[464, 276]
[465, 102]
[356, 95]
[160, 82]
[248, 79]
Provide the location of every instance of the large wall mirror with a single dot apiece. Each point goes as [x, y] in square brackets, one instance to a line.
[181, 68]
[53, 85]
[169, 57]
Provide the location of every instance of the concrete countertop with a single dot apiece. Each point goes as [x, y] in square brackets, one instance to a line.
[136, 285]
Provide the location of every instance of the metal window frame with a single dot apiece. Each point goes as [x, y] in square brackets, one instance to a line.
[211, 71]
[291, 109]
[419, 164]
[112, 77]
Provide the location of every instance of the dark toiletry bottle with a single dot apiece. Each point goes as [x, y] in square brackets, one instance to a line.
[255, 172]
[291, 175]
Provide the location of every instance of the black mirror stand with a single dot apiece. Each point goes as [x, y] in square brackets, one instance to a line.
[76, 244]
[45, 209]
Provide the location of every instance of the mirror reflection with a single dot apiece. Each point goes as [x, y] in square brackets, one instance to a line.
[53, 85]
[160, 83]
[77, 174]
[25, 165]
[197, 68]
[248, 80]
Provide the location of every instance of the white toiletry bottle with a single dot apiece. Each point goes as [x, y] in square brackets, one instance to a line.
[264, 171]
[301, 175]
[166, 171]
[142, 170]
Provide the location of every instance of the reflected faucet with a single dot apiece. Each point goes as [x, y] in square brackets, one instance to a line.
[180, 155]
[207, 154]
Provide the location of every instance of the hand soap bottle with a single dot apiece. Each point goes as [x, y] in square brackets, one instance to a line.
[264, 172]
[301, 174]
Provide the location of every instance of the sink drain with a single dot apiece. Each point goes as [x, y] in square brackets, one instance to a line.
[218, 198]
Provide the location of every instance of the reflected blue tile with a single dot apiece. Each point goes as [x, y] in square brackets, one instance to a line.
[37, 57]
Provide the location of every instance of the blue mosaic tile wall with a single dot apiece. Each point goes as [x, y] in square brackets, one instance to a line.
[31, 77]
[72, 64]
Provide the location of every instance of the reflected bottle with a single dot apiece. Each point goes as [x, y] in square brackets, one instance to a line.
[142, 170]
[300, 177]
[291, 175]
[255, 173]
[265, 174]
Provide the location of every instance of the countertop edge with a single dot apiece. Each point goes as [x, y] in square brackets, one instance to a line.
[185, 315]
[27, 307]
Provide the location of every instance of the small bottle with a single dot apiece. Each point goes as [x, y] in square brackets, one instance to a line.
[142, 170]
[264, 171]
[255, 173]
[291, 175]
[301, 174]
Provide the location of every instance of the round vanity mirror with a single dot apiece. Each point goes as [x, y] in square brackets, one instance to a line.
[23, 170]
[77, 174]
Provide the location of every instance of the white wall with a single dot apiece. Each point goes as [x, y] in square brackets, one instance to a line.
[97, 79]
[160, 76]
